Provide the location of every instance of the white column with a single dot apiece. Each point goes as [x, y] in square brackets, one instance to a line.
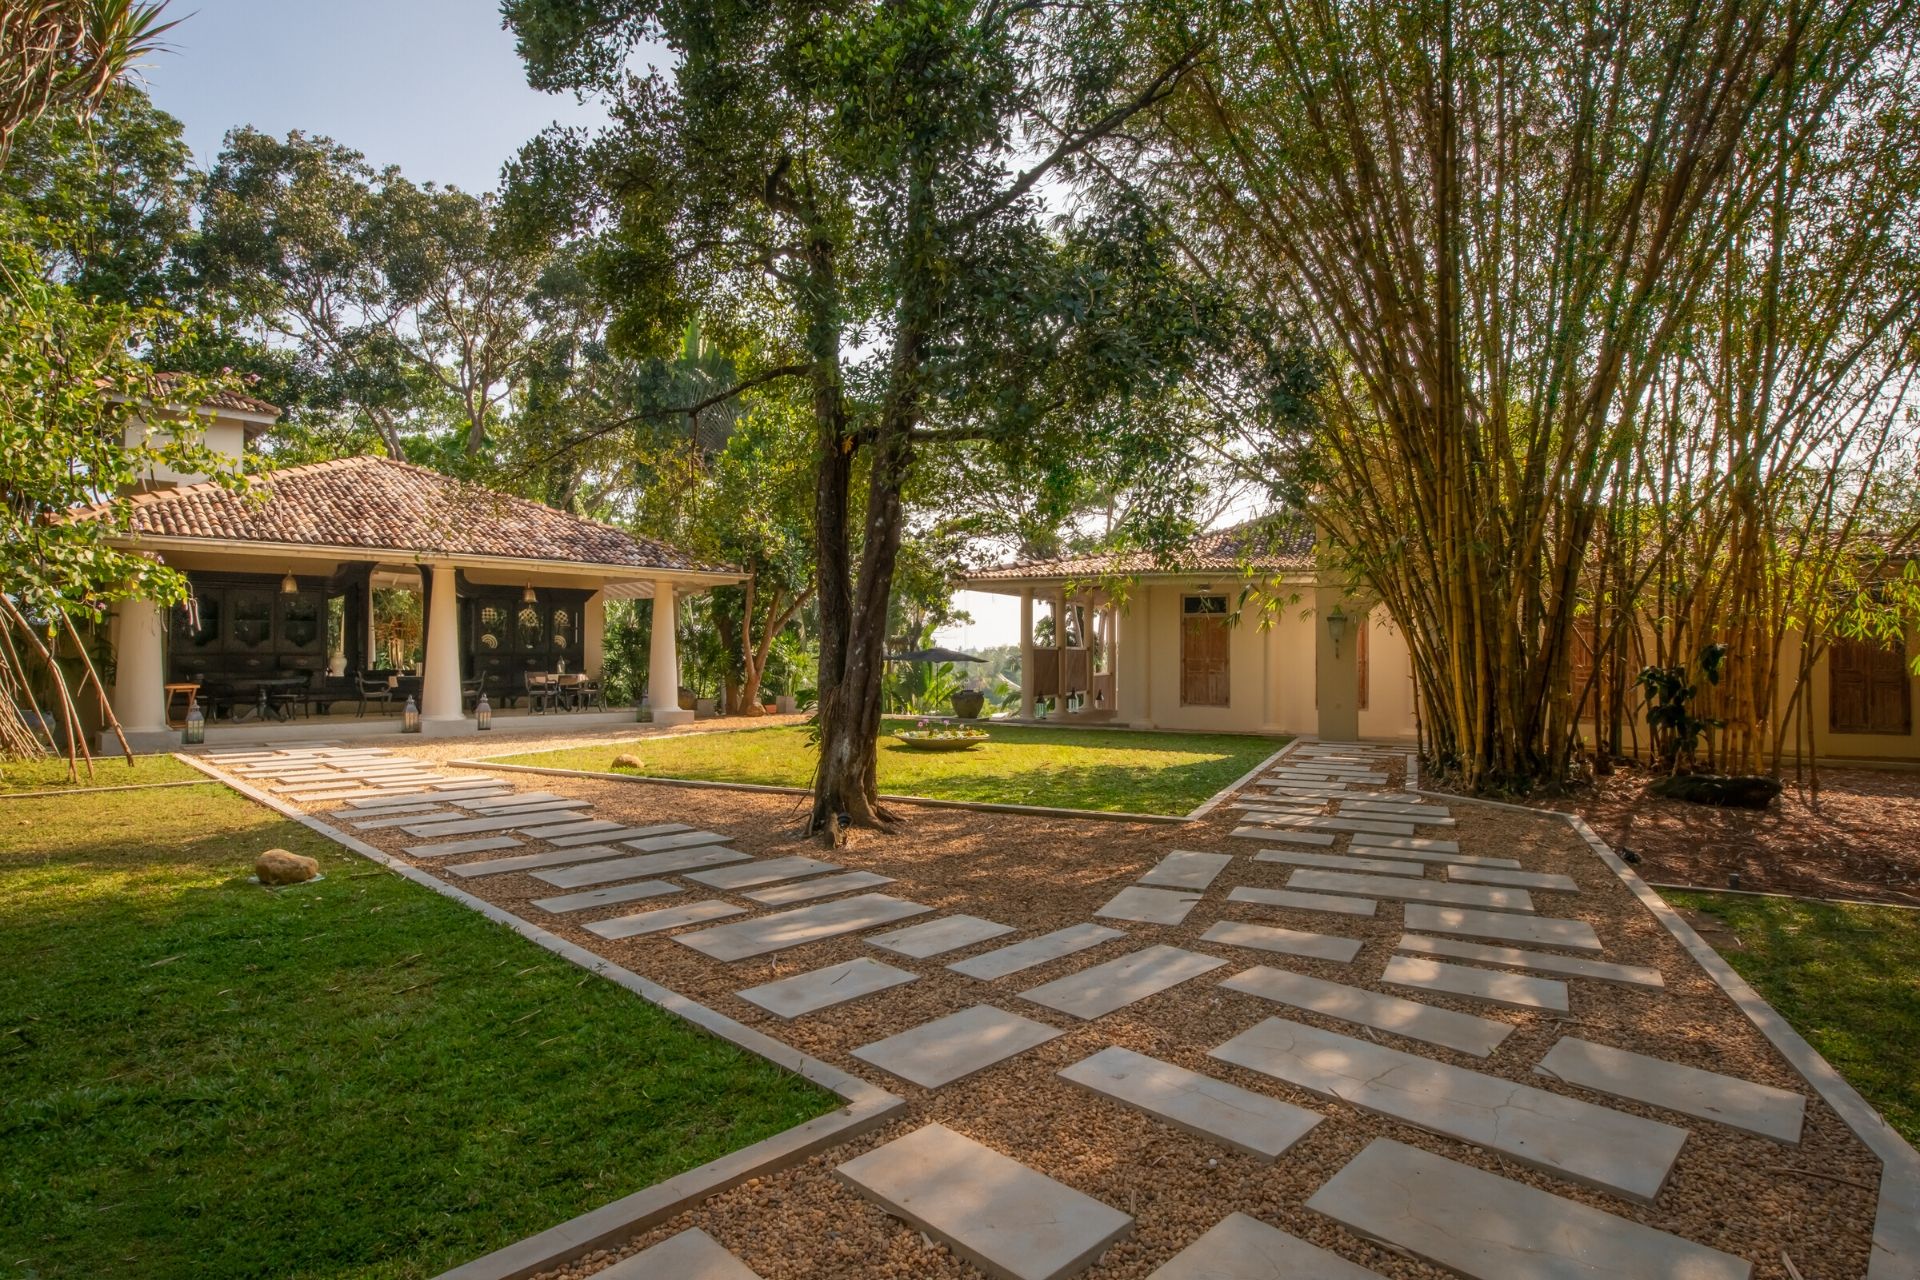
[663, 665]
[440, 711]
[1026, 653]
[140, 676]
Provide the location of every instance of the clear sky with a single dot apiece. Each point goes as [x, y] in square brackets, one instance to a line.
[433, 86]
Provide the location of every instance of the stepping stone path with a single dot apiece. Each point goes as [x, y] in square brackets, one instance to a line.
[781, 895]
[1411, 890]
[1184, 869]
[1510, 990]
[1752, 1108]
[1543, 961]
[1340, 862]
[664, 918]
[1293, 942]
[1290, 837]
[1243, 1248]
[675, 840]
[1099, 990]
[1542, 930]
[936, 937]
[996, 1213]
[801, 925]
[1002, 961]
[1225, 1113]
[1373, 826]
[762, 872]
[691, 1255]
[635, 892]
[651, 864]
[1543, 880]
[586, 853]
[823, 988]
[1448, 1028]
[1411, 844]
[1150, 906]
[481, 844]
[1478, 1224]
[954, 1047]
[1303, 901]
[1577, 1140]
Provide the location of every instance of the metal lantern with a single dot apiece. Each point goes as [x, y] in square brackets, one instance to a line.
[483, 712]
[195, 731]
[410, 716]
[1337, 628]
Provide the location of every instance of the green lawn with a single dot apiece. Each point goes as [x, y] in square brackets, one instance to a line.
[108, 771]
[1068, 768]
[1847, 978]
[349, 1078]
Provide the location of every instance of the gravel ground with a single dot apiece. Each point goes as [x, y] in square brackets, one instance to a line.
[1746, 1195]
[1857, 837]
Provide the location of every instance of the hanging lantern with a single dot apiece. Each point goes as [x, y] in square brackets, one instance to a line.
[410, 716]
[528, 596]
[195, 731]
[483, 712]
[289, 585]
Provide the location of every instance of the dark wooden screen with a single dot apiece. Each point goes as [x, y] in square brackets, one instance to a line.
[1204, 648]
[1868, 688]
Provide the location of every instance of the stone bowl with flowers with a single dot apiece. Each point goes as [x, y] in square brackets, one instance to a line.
[929, 736]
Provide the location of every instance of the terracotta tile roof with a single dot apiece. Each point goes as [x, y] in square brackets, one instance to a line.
[383, 505]
[224, 399]
[1271, 544]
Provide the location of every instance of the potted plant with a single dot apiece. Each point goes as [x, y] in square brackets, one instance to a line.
[927, 736]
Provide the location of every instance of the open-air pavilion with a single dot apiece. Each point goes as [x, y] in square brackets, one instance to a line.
[279, 624]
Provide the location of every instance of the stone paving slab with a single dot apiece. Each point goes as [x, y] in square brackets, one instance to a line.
[664, 918]
[1464, 895]
[1635, 975]
[1002, 961]
[1187, 869]
[1303, 901]
[1100, 989]
[766, 872]
[954, 1047]
[675, 840]
[599, 827]
[638, 891]
[1396, 813]
[937, 937]
[353, 815]
[1290, 837]
[1356, 850]
[1225, 1113]
[1478, 1224]
[530, 861]
[801, 925]
[1741, 1104]
[514, 799]
[1389, 804]
[691, 1255]
[1292, 942]
[1448, 1028]
[1509, 990]
[1589, 1144]
[1244, 1248]
[1010, 1221]
[650, 864]
[1149, 906]
[823, 988]
[1577, 935]
[1275, 786]
[1412, 844]
[1342, 862]
[602, 837]
[780, 895]
[1544, 880]
[480, 844]
[1370, 826]
[384, 802]
[466, 826]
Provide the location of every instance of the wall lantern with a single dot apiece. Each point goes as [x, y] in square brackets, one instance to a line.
[528, 596]
[1337, 628]
[195, 731]
[289, 585]
[483, 712]
[410, 716]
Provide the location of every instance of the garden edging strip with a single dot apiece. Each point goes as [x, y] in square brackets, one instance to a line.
[868, 1105]
[1896, 1228]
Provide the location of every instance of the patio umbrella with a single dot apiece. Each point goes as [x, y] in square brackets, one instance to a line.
[933, 655]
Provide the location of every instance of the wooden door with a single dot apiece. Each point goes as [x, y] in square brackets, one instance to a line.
[1204, 652]
[1868, 688]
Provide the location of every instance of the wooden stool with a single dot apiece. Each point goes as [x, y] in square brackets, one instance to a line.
[193, 695]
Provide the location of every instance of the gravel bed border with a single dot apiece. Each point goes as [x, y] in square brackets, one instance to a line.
[868, 1106]
[1896, 1228]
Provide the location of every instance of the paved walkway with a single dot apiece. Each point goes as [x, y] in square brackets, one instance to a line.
[1482, 930]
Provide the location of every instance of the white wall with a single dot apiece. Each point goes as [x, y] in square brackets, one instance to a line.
[223, 435]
